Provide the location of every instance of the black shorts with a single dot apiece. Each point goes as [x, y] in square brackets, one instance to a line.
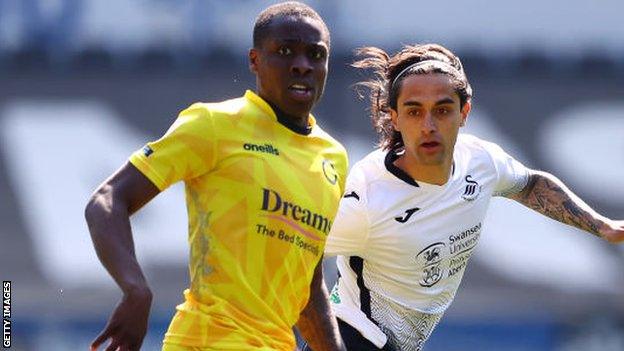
[354, 341]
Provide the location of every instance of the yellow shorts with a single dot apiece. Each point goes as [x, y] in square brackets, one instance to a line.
[169, 347]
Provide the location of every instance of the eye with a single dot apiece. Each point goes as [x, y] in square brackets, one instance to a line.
[413, 112]
[443, 111]
[284, 51]
[318, 54]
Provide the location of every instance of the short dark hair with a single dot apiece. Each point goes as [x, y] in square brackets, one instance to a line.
[390, 72]
[284, 9]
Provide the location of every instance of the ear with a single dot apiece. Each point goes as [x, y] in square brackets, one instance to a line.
[465, 112]
[253, 60]
[394, 115]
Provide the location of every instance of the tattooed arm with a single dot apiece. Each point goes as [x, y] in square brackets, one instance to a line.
[548, 195]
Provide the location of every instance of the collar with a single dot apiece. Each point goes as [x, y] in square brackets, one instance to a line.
[392, 156]
[279, 117]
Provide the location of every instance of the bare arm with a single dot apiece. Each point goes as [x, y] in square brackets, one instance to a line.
[108, 217]
[317, 323]
[547, 195]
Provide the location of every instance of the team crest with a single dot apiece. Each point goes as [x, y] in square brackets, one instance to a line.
[330, 172]
[430, 258]
[472, 189]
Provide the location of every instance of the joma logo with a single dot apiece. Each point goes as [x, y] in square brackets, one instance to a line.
[408, 214]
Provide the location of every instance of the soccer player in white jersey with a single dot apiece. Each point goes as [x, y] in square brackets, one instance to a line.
[413, 209]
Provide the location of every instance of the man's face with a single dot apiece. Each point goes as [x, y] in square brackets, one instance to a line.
[428, 117]
[291, 64]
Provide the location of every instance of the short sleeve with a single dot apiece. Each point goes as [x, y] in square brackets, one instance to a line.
[187, 149]
[342, 170]
[349, 232]
[512, 175]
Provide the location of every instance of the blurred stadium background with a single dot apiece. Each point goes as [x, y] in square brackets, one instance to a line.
[83, 83]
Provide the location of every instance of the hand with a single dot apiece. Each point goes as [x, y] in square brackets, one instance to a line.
[613, 231]
[128, 323]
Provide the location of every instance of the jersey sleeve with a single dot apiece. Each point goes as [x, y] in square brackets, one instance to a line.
[512, 175]
[187, 149]
[343, 166]
[349, 232]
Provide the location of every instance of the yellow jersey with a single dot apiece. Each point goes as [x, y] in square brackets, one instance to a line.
[261, 200]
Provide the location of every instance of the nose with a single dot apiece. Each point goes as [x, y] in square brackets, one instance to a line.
[428, 124]
[301, 65]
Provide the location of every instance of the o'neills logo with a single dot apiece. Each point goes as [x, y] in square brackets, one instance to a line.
[294, 214]
[266, 148]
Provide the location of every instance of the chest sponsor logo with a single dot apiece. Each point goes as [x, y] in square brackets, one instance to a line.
[329, 171]
[472, 189]
[303, 223]
[407, 215]
[294, 215]
[447, 258]
[266, 148]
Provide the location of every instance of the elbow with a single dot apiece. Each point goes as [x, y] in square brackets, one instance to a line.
[613, 239]
[92, 210]
[97, 205]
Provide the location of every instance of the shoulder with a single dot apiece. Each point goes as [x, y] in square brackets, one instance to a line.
[372, 161]
[509, 171]
[333, 145]
[470, 141]
[475, 152]
[206, 117]
[319, 132]
[367, 170]
[477, 146]
[216, 109]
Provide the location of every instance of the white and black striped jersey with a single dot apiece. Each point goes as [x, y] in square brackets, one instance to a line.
[403, 245]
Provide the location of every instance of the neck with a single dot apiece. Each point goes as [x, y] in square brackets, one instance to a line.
[433, 174]
[296, 124]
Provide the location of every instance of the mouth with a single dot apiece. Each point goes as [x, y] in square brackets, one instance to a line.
[301, 92]
[431, 146]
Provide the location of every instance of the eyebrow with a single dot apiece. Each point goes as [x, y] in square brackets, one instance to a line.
[439, 102]
[320, 43]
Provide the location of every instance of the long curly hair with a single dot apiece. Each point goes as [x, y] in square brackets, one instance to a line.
[389, 72]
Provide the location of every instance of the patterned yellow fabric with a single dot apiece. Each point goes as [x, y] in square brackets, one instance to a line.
[170, 347]
[260, 199]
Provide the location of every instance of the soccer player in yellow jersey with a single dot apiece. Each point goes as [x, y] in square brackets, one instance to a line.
[262, 181]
